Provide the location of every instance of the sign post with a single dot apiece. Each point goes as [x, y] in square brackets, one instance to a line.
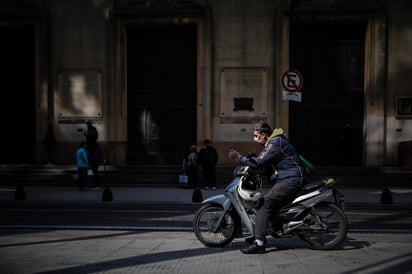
[292, 82]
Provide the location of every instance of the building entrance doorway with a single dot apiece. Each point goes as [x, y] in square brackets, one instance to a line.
[17, 107]
[161, 92]
[327, 126]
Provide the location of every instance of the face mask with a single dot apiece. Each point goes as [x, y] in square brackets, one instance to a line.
[256, 139]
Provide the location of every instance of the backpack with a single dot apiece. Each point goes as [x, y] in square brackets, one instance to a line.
[309, 167]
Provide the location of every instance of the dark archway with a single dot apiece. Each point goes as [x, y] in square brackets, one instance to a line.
[327, 125]
[161, 92]
[17, 107]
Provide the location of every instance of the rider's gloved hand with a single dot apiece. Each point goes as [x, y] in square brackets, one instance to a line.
[251, 154]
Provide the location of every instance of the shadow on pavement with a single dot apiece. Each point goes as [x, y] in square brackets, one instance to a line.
[96, 237]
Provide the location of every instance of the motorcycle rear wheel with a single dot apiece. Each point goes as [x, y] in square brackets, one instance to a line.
[334, 232]
[204, 223]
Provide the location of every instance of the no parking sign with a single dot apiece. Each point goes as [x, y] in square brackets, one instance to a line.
[292, 82]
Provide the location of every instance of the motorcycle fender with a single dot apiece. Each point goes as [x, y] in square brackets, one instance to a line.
[339, 199]
[220, 199]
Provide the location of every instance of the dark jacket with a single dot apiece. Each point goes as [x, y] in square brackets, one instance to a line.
[95, 156]
[208, 156]
[278, 158]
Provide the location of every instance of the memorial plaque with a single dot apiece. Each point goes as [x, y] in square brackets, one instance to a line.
[243, 93]
[79, 95]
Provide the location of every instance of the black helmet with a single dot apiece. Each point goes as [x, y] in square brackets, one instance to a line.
[263, 127]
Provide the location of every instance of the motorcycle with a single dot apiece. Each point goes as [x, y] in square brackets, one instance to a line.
[315, 213]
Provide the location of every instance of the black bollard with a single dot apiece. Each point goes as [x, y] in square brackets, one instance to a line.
[107, 195]
[197, 196]
[386, 196]
[20, 194]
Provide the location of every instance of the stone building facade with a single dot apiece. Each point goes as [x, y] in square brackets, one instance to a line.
[156, 76]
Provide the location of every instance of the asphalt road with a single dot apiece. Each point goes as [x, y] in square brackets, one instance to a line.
[169, 217]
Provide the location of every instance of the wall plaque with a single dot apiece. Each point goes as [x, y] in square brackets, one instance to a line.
[243, 93]
[79, 95]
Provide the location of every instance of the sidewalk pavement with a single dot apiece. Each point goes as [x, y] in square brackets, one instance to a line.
[90, 251]
[355, 195]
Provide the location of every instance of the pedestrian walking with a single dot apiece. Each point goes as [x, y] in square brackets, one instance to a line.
[82, 165]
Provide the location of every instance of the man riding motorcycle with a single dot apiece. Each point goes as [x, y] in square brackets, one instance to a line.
[282, 166]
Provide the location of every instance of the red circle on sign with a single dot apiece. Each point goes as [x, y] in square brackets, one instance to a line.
[292, 80]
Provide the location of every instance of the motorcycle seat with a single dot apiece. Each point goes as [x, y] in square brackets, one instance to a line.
[312, 186]
[307, 188]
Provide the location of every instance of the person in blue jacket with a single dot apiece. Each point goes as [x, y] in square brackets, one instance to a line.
[282, 166]
[82, 164]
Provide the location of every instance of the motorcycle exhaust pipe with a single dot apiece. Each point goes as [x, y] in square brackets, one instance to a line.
[292, 226]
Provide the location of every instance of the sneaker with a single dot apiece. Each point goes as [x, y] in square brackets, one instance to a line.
[214, 188]
[254, 249]
[206, 187]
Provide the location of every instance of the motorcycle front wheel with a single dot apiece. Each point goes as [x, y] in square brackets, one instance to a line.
[327, 234]
[204, 226]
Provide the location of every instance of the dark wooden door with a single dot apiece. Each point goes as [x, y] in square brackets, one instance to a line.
[327, 126]
[161, 92]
